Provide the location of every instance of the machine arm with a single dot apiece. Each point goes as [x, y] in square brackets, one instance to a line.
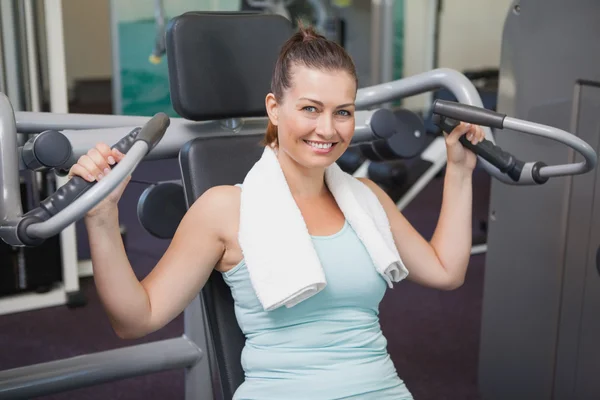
[447, 114]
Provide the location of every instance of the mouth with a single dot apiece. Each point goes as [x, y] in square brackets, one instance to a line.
[321, 147]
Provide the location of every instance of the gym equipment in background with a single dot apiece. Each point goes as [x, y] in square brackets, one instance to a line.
[33, 59]
[160, 47]
[403, 179]
[541, 295]
[371, 31]
[31, 269]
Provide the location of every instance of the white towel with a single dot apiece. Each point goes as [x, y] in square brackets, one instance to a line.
[278, 251]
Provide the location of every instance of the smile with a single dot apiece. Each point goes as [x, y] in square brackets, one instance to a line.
[320, 145]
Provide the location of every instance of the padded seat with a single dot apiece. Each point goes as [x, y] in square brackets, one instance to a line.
[208, 162]
[220, 66]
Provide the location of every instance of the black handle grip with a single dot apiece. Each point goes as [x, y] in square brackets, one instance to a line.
[153, 131]
[77, 186]
[493, 154]
[468, 113]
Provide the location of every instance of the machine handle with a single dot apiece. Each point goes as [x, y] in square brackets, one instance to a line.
[38, 224]
[523, 173]
[77, 186]
[504, 161]
[468, 113]
[153, 131]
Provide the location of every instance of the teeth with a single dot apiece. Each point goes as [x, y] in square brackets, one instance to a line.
[320, 145]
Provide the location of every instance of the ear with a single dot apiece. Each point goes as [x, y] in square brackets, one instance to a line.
[272, 111]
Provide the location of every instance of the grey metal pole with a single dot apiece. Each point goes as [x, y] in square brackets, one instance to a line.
[11, 53]
[198, 379]
[116, 66]
[93, 369]
[10, 196]
[382, 41]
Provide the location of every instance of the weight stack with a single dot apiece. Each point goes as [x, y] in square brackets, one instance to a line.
[26, 269]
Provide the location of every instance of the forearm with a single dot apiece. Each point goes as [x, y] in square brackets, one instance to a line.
[452, 238]
[121, 293]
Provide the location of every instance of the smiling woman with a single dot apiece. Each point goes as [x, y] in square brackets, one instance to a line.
[314, 119]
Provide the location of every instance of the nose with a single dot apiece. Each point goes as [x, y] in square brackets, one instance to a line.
[325, 127]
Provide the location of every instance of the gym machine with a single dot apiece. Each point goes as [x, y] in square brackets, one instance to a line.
[541, 304]
[143, 138]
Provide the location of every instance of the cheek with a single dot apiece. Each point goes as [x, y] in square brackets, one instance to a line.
[296, 127]
[346, 129]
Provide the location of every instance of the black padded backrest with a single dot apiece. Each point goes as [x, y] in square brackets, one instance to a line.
[208, 162]
[220, 63]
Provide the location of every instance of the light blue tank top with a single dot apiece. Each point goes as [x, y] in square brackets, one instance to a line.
[329, 346]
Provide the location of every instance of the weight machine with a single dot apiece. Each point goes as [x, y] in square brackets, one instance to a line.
[540, 325]
[209, 348]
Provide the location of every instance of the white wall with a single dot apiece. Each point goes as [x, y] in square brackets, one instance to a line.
[470, 36]
[87, 39]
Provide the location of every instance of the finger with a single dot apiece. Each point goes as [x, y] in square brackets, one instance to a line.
[478, 135]
[472, 134]
[78, 170]
[457, 132]
[106, 152]
[117, 154]
[86, 162]
[481, 134]
[100, 161]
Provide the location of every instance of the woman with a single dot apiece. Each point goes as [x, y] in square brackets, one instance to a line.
[331, 345]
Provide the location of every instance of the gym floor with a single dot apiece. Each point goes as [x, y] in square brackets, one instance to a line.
[433, 336]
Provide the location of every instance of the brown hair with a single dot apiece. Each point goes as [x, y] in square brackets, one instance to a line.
[307, 48]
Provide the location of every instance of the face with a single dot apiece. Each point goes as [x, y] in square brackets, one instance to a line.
[315, 118]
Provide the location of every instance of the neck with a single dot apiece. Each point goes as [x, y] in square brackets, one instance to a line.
[303, 182]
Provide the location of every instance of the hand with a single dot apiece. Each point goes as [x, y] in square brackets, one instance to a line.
[458, 155]
[94, 166]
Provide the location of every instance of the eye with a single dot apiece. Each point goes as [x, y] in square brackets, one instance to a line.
[345, 113]
[310, 108]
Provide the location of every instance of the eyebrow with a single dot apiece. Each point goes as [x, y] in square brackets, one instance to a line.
[322, 105]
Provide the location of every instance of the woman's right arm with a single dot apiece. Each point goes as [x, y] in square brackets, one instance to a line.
[137, 308]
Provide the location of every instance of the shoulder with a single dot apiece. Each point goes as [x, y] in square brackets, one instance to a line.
[218, 206]
[379, 194]
[218, 198]
[223, 194]
[373, 186]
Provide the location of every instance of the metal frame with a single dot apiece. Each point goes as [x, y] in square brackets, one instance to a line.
[539, 314]
[106, 366]
[71, 266]
[117, 101]
[435, 153]
[382, 41]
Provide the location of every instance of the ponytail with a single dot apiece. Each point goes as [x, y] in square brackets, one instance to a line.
[271, 135]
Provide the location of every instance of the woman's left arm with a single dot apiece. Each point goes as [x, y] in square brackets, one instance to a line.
[442, 262]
